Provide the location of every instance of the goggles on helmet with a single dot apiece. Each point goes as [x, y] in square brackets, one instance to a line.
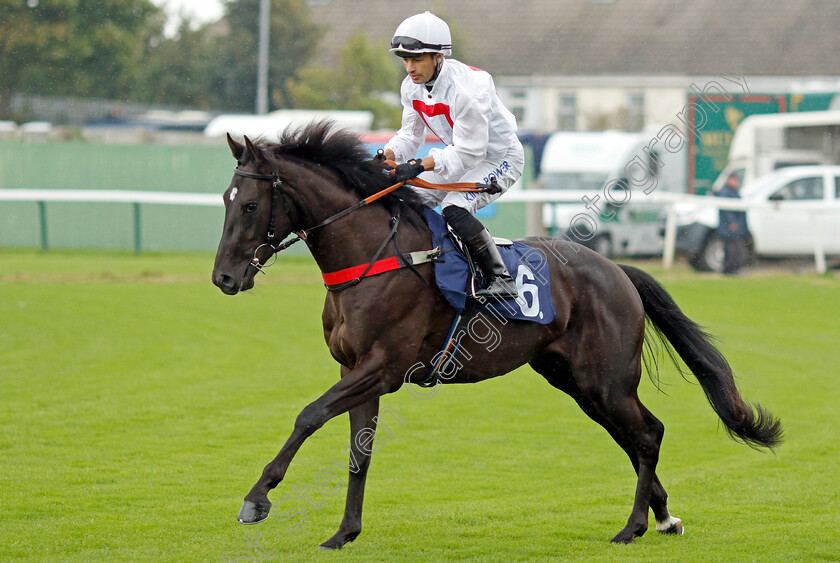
[411, 44]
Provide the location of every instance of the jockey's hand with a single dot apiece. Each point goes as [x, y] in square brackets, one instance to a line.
[408, 170]
[493, 187]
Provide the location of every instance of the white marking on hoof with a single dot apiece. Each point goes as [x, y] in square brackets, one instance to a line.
[670, 526]
[233, 193]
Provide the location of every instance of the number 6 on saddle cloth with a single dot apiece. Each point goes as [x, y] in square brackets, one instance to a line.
[455, 276]
[527, 265]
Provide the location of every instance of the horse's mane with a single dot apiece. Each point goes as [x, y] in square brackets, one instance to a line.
[345, 154]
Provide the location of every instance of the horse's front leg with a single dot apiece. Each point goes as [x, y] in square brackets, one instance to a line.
[367, 381]
[362, 419]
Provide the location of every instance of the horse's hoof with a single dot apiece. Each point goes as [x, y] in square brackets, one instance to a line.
[338, 541]
[332, 544]
[628, 534]
[253, 512]
[622, 538]
[635, 528]
[671, 526]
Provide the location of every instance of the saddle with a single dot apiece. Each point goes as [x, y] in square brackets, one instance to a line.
[458, 278]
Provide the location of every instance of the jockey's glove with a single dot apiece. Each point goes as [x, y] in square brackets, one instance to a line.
[408, 170]
[493, 187]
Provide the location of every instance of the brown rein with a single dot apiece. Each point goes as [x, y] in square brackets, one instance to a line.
[417, 182]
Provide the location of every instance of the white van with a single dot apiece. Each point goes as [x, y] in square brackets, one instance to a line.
[764, 143]
[592, 161]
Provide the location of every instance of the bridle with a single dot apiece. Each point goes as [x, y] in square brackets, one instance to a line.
[277, 192]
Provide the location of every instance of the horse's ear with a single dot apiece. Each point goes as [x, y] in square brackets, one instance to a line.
[255, 153]
[236, 148]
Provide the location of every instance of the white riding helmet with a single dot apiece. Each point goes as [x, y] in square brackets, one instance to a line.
[422, 33]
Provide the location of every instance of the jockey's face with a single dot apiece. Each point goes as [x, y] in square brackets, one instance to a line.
[421, 68]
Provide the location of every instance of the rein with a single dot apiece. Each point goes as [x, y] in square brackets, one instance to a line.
[277, 192]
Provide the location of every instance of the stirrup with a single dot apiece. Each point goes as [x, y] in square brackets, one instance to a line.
[499, 288]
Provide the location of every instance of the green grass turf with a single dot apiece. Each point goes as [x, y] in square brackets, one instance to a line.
[138, 405]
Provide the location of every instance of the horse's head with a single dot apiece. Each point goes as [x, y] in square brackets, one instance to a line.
[324, 175]
[252, 221]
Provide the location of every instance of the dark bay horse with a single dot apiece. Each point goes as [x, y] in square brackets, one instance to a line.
[381, 327]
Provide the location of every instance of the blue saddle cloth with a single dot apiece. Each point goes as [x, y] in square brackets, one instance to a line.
[526, 264]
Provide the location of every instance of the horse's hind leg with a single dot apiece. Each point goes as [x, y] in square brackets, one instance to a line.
[557, 372]
[665, 523]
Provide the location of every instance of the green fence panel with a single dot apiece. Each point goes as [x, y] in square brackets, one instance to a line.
[87, 166]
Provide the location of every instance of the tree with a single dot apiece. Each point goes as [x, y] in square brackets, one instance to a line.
[293, 41]
[365, 73]
[116, 49]
[179, 70]
[73, 47]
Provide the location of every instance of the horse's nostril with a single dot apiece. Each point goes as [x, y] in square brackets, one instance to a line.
[225, 282]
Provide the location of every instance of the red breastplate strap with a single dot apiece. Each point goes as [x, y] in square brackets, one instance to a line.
[379, 267]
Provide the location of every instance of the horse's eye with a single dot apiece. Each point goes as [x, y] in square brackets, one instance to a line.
[250, 207]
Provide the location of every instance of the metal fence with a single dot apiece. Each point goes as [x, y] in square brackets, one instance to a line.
[137, 198]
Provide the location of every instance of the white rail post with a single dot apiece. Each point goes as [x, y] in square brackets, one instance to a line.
[819, 251]
[670, 242]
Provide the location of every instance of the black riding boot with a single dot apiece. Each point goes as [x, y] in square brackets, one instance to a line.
[483, 250]
[500, 284]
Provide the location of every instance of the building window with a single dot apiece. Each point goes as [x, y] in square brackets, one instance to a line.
[517, 105]
[635, 111]
[567, 112]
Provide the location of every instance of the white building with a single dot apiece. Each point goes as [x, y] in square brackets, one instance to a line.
[614, 64]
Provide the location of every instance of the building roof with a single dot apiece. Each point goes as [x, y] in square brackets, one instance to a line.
[611, 37]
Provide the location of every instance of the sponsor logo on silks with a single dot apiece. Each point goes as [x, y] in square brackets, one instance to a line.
[502, 170]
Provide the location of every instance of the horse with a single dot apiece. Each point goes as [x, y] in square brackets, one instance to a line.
[315, 181]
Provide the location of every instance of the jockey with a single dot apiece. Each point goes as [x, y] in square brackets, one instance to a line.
[459, 104]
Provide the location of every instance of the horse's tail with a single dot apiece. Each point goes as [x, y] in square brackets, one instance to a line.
[753, 425]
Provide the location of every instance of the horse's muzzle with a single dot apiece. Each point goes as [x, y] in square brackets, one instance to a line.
[232, 285]
[226, 283]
